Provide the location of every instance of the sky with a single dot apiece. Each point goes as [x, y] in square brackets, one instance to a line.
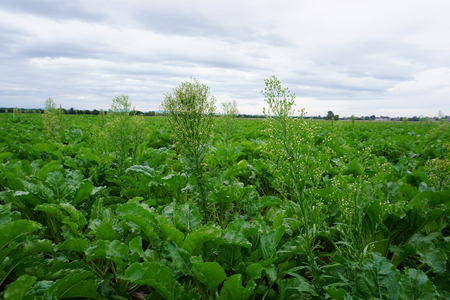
[389, 58]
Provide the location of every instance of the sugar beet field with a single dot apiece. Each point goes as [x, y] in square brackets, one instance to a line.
[192, 205]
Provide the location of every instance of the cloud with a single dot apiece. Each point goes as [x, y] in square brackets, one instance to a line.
[349, 57]
[55, 10]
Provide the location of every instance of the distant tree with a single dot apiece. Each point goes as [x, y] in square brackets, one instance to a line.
[329, 116]
[95, 112]
[71, 111]
[372, 117]
[87, 112]
[336, 117]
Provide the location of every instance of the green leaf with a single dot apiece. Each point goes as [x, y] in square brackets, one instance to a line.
[4, 155]
[230, 256]
[297, 285]
[187, 217]
[23, 253]
[414, 284]
[115, 251]
[20, 287]
[169, 232]
[82, 289]
[233, 290]
[52, 166]
[196, 238]
[155, 275]
[141, 170]
[210, 274]
[237, 232]
[75, 214]
[254, 271]
[338, 294]
[51, 209]
[77, 245]
[38, 290]
[432, 256]
[74, 285]
[192, 295]
[142, 216]
[269, 242]
[105, 231]
[354, 168]
[144, 225]
[16, 230]
[83, 192]
[182, 261]
[377, 278]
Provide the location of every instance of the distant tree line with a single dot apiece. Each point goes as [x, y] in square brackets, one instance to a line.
[70, 111]
[329, 116]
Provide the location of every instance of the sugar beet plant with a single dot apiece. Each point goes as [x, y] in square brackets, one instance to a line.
[190, 111]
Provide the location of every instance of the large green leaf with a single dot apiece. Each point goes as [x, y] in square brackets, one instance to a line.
[16, 230]
[339, 294]
[432, 256]
[52, 166]
[182, 261]
[169, 232]
[144, 225]
[20, 287]
[115, 251]
[155, 275]
[295, 286]
[269, 242]
[254, 271]
[187, 217]
[237, 232]
[210, 274]
[196, 238]
[233, 290]
[75, 284]
[52, 209]
[141, 170]
[24, 253]
[77, 245]
[83, 192]
[76, 215]
[141, 215]
[415, 285]
[106, 229]
[377, 278]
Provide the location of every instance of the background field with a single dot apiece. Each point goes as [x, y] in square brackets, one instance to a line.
[101, 207]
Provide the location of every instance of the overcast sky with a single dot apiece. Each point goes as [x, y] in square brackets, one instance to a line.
[352, 57]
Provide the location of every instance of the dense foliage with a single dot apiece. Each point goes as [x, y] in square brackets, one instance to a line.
[103, 207]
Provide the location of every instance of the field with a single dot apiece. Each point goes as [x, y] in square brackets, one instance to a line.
[108, 207]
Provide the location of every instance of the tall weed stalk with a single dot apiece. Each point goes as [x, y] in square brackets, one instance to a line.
[123, 133]
[299, 163]
[190, 112]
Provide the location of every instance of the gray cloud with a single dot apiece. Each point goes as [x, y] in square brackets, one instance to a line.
[55, 10]
[84, 53]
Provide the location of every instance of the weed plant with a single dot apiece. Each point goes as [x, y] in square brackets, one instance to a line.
[229, 114]
[292, 143]
[190, 112]
[123, 133]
